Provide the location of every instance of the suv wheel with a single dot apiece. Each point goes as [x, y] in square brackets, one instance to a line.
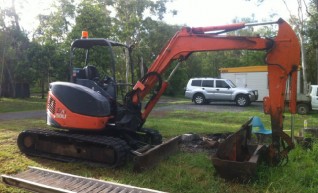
[242, 100]
[302, 109]
[199, 99]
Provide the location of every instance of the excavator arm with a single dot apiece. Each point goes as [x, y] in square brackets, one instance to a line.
[283, 61]
[282, 58]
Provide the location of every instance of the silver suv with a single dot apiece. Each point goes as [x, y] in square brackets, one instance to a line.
[205, 90]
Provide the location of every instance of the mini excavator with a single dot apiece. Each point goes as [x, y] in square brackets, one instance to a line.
[92, 125]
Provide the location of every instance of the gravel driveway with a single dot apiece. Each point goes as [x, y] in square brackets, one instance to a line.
[212, 107]
[39, 114]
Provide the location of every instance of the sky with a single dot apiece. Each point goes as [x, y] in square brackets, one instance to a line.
[193, 13]
[196, 13]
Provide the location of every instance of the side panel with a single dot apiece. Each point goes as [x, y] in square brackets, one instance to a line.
[60, 116]
[240, 80]
[258, 81]
[314, 97]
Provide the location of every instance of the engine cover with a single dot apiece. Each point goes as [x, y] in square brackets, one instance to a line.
[75, 106]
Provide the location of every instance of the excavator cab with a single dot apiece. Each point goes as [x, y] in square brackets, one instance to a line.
[87, 95]
[89, 74]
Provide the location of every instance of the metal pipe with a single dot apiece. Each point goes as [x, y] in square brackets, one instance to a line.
[173, 71]
[262, 23]
[292, 127]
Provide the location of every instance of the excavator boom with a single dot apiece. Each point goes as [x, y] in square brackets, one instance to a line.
[282, 56]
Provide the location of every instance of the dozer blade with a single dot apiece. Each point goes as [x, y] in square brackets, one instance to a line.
[151, 157]
[236, 158]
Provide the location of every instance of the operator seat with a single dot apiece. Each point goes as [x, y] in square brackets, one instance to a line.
[89, 77]
[107, 84]
[91, 73]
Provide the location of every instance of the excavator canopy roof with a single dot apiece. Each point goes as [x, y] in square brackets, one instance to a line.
[91, 42]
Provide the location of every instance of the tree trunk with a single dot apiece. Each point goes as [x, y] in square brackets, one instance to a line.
[316, 3]
[317, 62]
[141, 65]
[303, 63]
[2, 66]
[42, 88]
[10, 82]
[15, 15]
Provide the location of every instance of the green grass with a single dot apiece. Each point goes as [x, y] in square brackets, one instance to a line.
[14, 105]
[182, 172]
[182, 121]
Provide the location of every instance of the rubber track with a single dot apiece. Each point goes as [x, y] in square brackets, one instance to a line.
[117, 144]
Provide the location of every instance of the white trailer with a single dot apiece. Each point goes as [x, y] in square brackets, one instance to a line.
[254, 77]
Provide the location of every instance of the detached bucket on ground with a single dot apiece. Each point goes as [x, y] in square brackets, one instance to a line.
[237, 158]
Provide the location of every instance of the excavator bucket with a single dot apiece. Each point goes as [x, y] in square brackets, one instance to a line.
[151, 157]
[237, 158]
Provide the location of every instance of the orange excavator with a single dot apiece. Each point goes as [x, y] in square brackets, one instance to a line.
[94, 126]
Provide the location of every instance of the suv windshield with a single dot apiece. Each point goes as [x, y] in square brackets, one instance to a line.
[231, 83]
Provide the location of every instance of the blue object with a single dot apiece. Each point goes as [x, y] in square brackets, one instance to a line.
[256, 122]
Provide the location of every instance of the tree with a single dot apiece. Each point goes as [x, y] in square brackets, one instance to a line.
[312, 32]
[14, 66]
[43, 61]
[299, 23]
[130, 21]
[48, 52]
[92, 17]
[56, 25]
[154, 39]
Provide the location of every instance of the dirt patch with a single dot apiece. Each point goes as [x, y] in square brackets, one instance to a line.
[212, 107]
[195, 143]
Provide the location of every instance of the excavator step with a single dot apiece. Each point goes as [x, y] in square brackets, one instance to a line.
[48, 181]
